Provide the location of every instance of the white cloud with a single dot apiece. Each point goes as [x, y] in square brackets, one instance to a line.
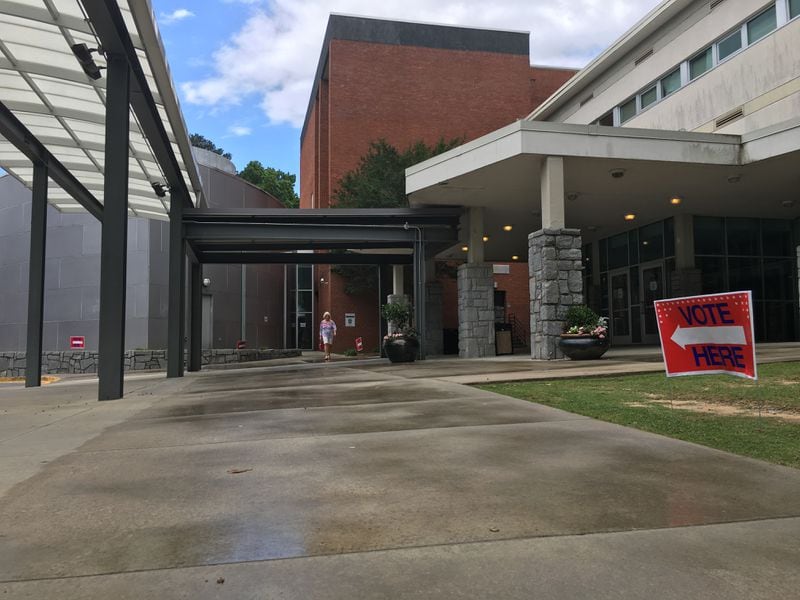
[273, 57]
[239, 130]
[179, 14]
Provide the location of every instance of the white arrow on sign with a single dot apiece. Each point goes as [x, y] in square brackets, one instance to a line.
[731, 335]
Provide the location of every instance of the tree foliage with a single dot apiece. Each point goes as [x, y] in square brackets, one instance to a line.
[203, 142]
[379, 180]
[273, 181]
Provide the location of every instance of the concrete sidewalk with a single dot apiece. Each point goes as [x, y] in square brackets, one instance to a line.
[365, 480]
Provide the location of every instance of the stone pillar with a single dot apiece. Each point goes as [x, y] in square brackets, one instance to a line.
[556, 282]
[434, 342]
[475, 311]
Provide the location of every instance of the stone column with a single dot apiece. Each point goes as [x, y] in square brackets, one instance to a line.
[475, 311]
[556, 282]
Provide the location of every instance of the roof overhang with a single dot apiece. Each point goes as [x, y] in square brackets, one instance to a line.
[754, 175]
[44, 87]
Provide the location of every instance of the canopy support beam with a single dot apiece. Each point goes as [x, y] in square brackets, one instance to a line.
[177, 288]
[114, 244]
[33, 348]
[195, 316]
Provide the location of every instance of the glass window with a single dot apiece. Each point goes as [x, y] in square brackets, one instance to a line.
[743, 237]
[776, 237]
[729, 45]
[303, 301]
[650, 96]
[669, 237]
[618, 251]
[745, 274]
[670, 83]
[633, 247]
[709, 235]
[304, 277]
[651, 241]
[778, 279]
[603, 246]
[700, 64]
[780, 319]
[761, 25]
[635, 288]
[606, 120]
[712, 270]
[588, 267]
[628, 110]
[794, 8]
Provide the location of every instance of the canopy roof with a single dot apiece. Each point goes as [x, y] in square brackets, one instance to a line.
[43, 84]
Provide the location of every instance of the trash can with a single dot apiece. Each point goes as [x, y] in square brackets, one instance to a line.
[502, 342]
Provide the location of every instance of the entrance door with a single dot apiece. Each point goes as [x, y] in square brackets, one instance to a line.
[619, 294]
[653, 288]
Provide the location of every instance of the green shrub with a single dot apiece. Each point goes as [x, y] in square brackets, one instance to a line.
[581, 316]
[350, 352]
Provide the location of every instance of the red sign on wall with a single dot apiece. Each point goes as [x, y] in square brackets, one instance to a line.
[359, 344]
[708, 334]
[77, 342]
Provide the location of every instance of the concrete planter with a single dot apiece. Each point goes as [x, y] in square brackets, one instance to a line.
[583, 347]
[400, 350]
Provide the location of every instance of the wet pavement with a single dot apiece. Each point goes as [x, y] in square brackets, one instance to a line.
[369, 480]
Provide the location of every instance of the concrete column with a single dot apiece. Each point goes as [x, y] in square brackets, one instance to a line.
[686, 279]
[475, 240]
[475, 311]
[552, 180]
[555, 264]
[397, 280]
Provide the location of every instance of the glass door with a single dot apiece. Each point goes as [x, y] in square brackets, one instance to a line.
[619, 296]
[653, 288]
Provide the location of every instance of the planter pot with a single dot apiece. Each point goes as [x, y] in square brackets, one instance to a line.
[583, 347]
[401, 349]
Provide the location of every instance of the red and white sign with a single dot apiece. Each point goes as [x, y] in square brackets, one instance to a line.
[77, 342]
[359, 344]
[708, 334]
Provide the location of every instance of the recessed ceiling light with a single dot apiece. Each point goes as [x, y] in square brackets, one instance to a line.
[787, 203]
[675, 200]
[507, 227]
[465, 248]
[515, 257]
[630, 217]
[486, 238]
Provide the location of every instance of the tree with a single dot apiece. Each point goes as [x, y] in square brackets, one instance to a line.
[379, 180]
[203, 142]
[273, 181]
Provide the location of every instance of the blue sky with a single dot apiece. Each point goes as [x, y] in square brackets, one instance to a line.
[244, 68]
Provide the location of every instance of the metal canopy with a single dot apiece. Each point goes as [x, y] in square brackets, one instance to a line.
[43, 84]
[275, 235]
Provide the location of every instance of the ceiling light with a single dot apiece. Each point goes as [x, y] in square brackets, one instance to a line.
[159, 188]
[486, 238]
[515, 257]
[465, 248]
[507, 227]
[630, 217]
[734, 178]
[572, 196]
[787, 203]
[675, 200]
[84, 55]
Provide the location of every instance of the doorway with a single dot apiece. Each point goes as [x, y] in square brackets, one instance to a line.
[631, 293]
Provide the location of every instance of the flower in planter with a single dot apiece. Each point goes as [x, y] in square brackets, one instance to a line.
[400, 316]
[582, 320]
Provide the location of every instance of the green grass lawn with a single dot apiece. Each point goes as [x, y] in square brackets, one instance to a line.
[649, 402]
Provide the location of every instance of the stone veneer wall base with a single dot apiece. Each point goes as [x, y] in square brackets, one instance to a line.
[12, 364]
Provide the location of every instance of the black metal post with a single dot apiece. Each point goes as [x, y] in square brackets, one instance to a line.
[33, 348]
[419, 292]
[196, 317]
[177, 288]
[113, 258]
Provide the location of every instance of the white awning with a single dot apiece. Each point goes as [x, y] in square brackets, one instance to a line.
[43, 84]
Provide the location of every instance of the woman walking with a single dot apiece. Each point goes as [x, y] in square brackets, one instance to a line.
[327, 333]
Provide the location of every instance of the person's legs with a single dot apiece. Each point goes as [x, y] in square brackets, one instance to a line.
[327, 351]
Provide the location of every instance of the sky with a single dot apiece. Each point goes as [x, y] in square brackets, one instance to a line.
[244, 69]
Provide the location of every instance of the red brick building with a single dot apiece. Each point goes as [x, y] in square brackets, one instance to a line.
[406, 82]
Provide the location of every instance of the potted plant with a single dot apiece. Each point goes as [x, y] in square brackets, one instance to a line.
[401, 345]
[585, 334]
